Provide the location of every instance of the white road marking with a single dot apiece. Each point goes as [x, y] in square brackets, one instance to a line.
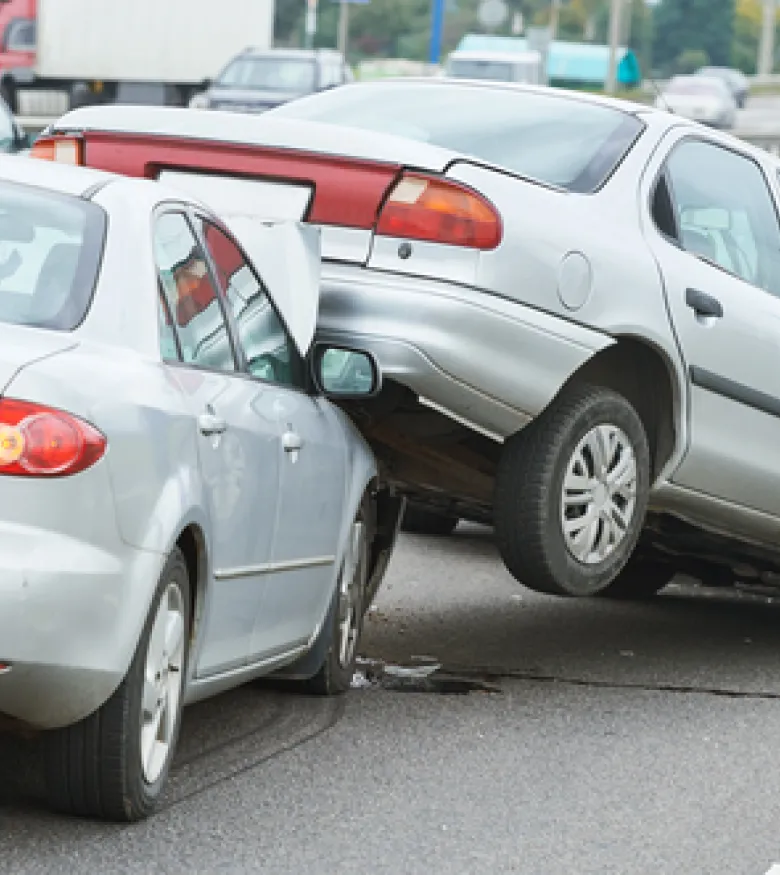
[774, 869]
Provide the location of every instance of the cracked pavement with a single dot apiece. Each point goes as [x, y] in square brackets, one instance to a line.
[560, 736]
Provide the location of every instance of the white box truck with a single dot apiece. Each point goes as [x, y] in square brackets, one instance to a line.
[57, 54]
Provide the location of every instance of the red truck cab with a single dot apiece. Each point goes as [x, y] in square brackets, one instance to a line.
[17, 46]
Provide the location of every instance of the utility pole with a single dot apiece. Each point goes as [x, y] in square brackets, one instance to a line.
[437, 30]
[344, 27]
[311, 22]
[616, 7]
[555, 11]
[766, 51]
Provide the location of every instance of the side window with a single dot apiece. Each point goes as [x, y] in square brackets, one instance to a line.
[725, 212]
[197, 316]
[270, 352]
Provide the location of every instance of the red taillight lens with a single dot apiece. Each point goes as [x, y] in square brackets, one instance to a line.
[38, 442]
[65, 150]
[423, 208]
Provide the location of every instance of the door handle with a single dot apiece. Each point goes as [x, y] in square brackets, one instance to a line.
[210, 424]
[703, 304]
[291, 442]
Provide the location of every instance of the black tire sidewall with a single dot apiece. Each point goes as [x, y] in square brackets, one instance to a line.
[333, 678]
[143, 796]
[576, 578]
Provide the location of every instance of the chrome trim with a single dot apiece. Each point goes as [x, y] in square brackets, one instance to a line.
[272, 567]
[200, 688]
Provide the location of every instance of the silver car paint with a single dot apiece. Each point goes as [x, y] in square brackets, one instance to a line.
[80, 557]
[626, 297]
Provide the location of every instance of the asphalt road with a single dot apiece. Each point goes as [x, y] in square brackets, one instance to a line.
[561, 738]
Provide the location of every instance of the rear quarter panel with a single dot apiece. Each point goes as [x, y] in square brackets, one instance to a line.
[152, 442]
[542, 226]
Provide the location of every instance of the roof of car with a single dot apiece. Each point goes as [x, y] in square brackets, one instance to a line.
[61, 178]
[257, 51]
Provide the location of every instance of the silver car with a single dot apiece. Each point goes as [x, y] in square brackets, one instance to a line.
[182, 509]
[701, 98]
[575, 303]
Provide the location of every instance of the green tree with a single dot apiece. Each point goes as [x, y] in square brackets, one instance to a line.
[689, 25]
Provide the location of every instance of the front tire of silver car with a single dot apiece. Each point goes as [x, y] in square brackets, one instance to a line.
[113, 765]
[571, 493]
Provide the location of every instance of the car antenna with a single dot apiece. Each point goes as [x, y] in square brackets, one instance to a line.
[660, 96]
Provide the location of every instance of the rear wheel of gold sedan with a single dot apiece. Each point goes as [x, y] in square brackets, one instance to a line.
[113, 764]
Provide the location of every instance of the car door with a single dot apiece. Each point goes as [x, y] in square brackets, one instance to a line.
[239, 441]
[716, 238]
[312, 455]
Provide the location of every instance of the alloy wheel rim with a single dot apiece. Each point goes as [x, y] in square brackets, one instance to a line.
[598, 495]
[350, 584]
[162, 683]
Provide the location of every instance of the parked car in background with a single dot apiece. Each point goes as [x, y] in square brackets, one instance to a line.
[573, 300]
[736, 81]
[182, 509]
[260, 79]
[700, 98]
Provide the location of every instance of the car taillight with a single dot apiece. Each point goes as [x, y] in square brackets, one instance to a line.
[37, 441]
[423, 208]
[65, 150]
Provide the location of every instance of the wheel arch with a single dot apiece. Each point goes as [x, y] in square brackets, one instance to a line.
[192, 543]
[644, 374]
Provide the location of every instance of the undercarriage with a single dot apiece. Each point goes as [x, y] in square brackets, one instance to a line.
[446, 467]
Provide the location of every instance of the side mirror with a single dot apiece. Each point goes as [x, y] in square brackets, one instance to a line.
[343, 374]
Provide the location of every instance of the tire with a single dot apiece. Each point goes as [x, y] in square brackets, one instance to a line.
[640, 579]
[420, 521]
[530, 512]
[345, 619]
[8, 93]
[95, 768]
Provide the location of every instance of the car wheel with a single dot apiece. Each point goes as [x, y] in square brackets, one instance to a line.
[346, 615]
[571, 493]
[641, 578]
[420, 521]
[113, 765]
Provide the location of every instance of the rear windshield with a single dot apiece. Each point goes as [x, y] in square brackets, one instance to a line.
[288, 75]
[556, 139]
[50, 249]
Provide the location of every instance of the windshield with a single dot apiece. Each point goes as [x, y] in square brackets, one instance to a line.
[292, 75]
[50, 249]
[560, 141]
[496, 70]
[695, 86]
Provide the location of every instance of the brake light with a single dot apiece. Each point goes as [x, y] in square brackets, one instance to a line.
[65, 150]
[36, 441]
[424, 208]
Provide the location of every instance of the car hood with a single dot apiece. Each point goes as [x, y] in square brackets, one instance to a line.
[246, 99]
